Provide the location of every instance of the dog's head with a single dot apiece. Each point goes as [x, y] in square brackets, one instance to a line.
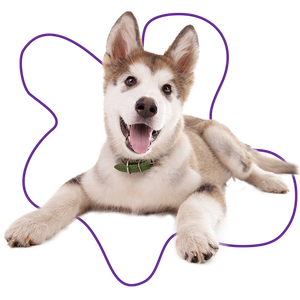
[144, 92]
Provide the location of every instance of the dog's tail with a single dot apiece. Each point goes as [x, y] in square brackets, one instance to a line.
[272, 164]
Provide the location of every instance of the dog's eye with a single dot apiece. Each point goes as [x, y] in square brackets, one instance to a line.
[130, 81]
[167, 89]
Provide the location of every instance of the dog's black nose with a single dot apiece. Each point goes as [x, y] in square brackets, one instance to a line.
[146, 107]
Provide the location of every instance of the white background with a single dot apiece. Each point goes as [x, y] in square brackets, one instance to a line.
[69, 81]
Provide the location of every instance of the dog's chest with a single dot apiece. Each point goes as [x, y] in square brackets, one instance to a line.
[153, 191]
[159, 187]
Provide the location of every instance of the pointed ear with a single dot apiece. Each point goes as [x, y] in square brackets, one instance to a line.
[124, 38]
[184, 51]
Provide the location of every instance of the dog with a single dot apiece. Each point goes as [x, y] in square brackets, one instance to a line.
[155, 158]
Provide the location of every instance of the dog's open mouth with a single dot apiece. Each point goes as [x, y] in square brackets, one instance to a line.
[139, 137]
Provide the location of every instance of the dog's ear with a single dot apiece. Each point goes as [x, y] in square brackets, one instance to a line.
[184, 51]
[124, 38]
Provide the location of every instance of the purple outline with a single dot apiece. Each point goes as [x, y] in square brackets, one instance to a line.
[211, 110]
[111, 268]
[40, 102]
[288, 225]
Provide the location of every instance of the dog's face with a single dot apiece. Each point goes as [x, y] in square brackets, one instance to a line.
[144, 92]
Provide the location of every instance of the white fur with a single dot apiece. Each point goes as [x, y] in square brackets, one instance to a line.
[166, 185]
[196, 221]
[118, 103]
[149, 85]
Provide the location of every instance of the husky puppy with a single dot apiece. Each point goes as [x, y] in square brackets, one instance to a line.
[155, 159]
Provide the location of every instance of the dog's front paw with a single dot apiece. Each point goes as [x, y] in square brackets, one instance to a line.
[196, 245]
[31, 229]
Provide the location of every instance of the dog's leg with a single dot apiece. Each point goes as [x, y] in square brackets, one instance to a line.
[230, 151]
[241, 160]
[197, 218]
[41, 224]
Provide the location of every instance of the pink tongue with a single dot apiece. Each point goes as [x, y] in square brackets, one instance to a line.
[140, 135]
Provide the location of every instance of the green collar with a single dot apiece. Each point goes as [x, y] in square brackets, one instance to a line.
[134, 166]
